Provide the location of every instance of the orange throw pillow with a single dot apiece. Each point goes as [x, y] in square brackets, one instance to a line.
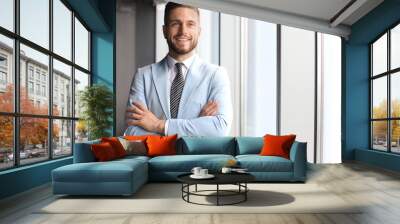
[103, 151]
[277, 145]
[116, 145]
[136, 137]
[161, 145]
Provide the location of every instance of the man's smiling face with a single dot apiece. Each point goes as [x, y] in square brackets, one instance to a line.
[182, 30]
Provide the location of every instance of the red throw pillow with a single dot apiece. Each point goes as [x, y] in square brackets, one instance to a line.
[116, 145]
[277, 145]
[103, 151]
[161, 145]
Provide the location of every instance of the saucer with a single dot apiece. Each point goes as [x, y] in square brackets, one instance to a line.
[208, 176]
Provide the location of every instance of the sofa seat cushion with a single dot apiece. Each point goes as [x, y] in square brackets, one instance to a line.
[257, 163]
[121, 170]
[207, 145]
[185, 163]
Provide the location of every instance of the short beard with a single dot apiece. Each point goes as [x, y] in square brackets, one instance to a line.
[181, 51]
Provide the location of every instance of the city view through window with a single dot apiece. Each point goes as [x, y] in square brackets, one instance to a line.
[39, 113]
[385, 91]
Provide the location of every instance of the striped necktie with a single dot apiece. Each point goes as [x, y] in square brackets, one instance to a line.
[176, 91]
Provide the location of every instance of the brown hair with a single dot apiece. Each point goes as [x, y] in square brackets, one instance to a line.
[172, 5]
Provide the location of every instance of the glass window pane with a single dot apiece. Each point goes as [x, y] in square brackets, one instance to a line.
[297, 85]
[379, 98]
[81, 131]
[62, 138]
[81, 45]
[395, 47]
[7, 14]
[34, 72]
[395, 138]
[6, 74]
[81, 81]
[62, 89]
[6, 142]
[379, 55]
[35, 21]
[62, 29]
[260, 84]
[379, 135]
[33, 140]
[329, 96]
[395, 94]
[208, 44]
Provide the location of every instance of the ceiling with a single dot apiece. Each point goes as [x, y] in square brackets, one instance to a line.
[321, 9]
[328, 16]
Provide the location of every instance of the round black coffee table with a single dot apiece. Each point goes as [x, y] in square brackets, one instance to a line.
[238, 179]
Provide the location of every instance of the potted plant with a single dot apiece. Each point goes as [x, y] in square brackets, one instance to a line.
[96, 102]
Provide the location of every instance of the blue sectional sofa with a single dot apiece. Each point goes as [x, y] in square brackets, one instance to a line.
[125, 176]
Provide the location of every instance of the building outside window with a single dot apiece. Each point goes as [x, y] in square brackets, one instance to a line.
[30, 87]
[30, 72]
[3, 61]
[3, 78]
[3, 72]
[43, 90]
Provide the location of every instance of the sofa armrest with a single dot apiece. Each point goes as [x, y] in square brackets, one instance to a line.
[83, 152]
[298, 155]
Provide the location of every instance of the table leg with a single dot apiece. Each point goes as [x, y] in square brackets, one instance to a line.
[245, 193]
[196, 188]
[188, 190]
[217, 194]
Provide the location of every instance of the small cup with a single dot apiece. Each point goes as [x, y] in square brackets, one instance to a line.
[196, 170]
[226, 170]
[203, 172]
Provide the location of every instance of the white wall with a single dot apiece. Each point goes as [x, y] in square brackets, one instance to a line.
[135, 40]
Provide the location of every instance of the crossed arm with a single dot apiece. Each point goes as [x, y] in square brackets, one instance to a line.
[140, 116]
[214, 118]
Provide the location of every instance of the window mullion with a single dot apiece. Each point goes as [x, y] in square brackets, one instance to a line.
[50, 81]
[389, 114]
[73, 82]
[16, 84]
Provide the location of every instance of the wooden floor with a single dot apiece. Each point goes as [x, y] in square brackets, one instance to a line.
[378, 188]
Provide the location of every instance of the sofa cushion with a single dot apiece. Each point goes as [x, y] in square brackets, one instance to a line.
[207, 145]
[83, 152]
[277, 145]
[161, 145]
[103, 152]
[116, 145]
[185, 163]
[112, 171]
[249, 145]
[257, 163]
[134, 147]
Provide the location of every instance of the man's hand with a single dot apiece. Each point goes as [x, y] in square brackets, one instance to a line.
[210, 109]
[140, 116]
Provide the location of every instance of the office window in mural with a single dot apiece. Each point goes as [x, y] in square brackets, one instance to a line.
[385, 91]
[37, 113]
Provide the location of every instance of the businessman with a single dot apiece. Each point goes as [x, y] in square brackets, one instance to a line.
[181, 94]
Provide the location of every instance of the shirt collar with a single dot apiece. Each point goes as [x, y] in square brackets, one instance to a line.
[187, 63]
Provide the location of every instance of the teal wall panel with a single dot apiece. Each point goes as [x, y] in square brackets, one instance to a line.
[356, 125]
[24, 178]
